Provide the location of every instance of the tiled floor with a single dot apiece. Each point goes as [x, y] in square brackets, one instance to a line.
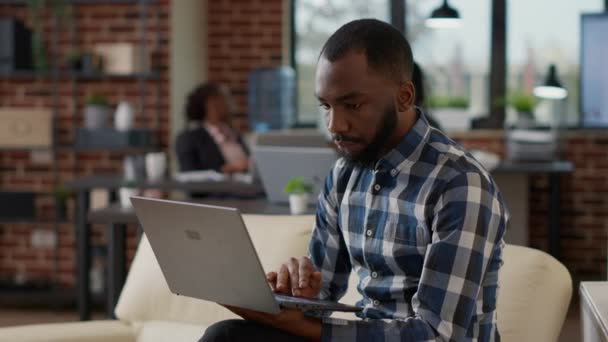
[8, 317]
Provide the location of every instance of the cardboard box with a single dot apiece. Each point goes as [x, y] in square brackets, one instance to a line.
[26, 127]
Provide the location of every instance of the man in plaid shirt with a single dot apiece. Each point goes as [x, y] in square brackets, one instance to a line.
[406, 209]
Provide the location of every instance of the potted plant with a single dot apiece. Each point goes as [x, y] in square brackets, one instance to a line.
[61, 195]
[73, 60]
[96, 112]
[128, 189]
[298, 191]
[524, 105]
[451, 111]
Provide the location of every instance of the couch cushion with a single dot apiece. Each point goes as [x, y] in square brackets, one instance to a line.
[159, 331]
[534, 295]
[94, 331]
[146, 296]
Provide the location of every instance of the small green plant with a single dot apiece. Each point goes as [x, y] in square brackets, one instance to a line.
[73, 55]
[297, 186]
[97, 100]
[449, 102]
[61, 193]
[521, 102]
[129, 184]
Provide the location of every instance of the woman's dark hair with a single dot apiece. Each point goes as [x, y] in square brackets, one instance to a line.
[196, 104]
[421, 94]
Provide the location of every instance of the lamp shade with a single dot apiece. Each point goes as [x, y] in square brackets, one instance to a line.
[552, 88]
[444, 16]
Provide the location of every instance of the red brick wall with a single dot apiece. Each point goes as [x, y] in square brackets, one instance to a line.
[243, 35]
[94, 23]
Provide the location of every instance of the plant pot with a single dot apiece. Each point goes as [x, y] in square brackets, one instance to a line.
[298, 203]
[96, 117]
[124, 194]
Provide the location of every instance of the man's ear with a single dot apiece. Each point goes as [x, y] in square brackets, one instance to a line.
[406, 96]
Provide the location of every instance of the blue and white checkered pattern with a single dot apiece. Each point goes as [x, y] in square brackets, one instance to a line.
[423, 230]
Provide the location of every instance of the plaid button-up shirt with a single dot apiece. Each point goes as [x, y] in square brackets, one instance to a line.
[423, 231]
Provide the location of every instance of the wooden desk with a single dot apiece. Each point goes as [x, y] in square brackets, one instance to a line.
[594, 311]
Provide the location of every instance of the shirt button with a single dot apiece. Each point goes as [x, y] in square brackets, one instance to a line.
[377, 187]
[374, 275]
[376, 302]
[369, 232]
[393, 172]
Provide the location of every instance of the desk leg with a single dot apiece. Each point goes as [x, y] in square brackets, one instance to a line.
[553, 215]
[116, 265]
[83, 256]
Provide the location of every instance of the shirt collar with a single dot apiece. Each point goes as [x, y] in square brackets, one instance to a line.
[407, 151]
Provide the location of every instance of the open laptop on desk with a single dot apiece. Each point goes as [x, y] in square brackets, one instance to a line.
[277, 165]
[206, 252]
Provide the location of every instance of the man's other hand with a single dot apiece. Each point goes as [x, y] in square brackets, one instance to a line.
[297, 278]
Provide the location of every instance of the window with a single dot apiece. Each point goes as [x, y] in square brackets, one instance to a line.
[455, 61]
[536, 39]
[315, 21]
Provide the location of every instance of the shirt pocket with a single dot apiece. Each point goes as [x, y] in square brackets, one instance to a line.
[406, 243]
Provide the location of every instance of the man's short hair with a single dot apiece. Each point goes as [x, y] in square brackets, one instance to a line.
[386, 49]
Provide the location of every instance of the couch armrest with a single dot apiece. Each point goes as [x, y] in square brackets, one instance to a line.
[94, 331]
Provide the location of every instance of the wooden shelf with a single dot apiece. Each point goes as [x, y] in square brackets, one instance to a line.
[68, 148]
[78, 76]
[81, 2]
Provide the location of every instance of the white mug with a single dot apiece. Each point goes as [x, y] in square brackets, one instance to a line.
[156, 164]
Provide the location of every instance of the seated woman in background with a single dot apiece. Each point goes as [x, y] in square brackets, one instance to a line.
[209, 142]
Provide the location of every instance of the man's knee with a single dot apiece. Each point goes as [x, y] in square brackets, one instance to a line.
[223, 331]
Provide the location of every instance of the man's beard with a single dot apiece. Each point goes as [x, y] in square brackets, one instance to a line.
[370, 155]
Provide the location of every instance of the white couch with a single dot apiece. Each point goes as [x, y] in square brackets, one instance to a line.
[534, 296]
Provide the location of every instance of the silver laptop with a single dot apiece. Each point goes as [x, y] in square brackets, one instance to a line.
[278, 165]
[206, 252]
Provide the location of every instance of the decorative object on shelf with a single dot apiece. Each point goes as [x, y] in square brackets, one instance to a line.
[83, 62]
[134, 167]
[124, 116]
[444, 16]
[524, 105]
[73, 60]
[298, 191]
[552, 88]
[128, 189]
[122, 58]
[156, 165]
[26, 127]
[61, 195]
[15, 46]
[96, 112]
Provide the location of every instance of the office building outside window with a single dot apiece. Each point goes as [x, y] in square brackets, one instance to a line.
[315, 21]
[535, 40]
